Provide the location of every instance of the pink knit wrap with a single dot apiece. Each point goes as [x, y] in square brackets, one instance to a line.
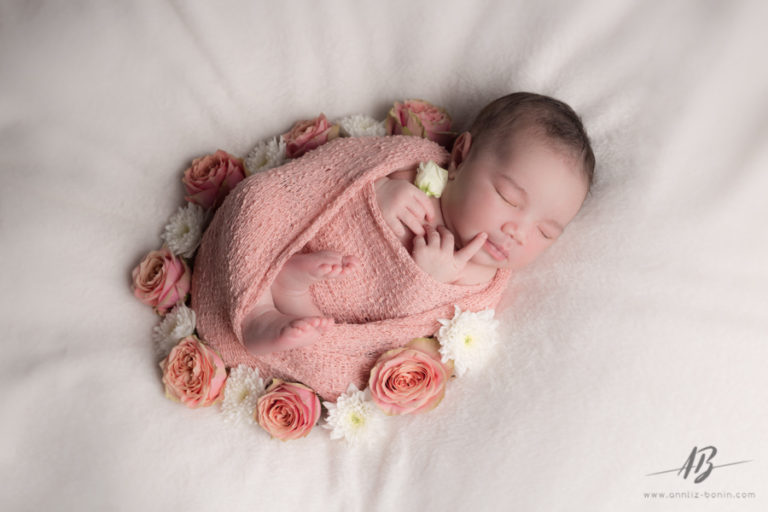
[325, 200]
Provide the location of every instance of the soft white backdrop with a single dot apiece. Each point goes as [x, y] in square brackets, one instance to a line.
[640, 335]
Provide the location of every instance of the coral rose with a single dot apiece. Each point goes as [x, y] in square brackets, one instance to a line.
[161, 280]
[288, 410]
[210, 178]
[193, 373]
[422, 119]
[410, 379]
[309, 134]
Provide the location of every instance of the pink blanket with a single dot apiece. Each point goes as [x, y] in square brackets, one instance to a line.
[325, 201]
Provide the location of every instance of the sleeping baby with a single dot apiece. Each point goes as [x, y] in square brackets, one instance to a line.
[515, 181]
[311, 270]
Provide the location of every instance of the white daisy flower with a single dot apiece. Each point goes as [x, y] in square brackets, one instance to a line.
[241, 392]
[177, 324]
[184, 230]
[354, 417]
[359, 125]
[266, 155]
[468, 339]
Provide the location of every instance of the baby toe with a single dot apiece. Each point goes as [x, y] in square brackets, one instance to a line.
[326, 324]
[313, 321]
[350, 261]
[299, 324]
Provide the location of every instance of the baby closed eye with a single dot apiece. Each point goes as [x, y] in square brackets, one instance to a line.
[514, 204]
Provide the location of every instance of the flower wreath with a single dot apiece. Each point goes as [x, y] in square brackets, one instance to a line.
[404, 380]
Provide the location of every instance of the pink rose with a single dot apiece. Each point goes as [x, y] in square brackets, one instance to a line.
[161, 280]
[409, 379]
[193, 373]
[422, 119]
[307, 135]
[211, 177]
[288, 410]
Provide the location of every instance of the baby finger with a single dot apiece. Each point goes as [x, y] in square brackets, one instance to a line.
[465, 253]
[447, 238]
[425, 203]
[433, 237]
[413, 222]
[418, 211]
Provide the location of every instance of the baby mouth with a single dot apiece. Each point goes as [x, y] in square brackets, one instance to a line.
[495, 251]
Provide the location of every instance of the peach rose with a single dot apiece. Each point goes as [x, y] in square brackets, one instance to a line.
[422, 119]
[309, 134]
[193, 373]
[287, 410]
[161, 280]
[409, 379]
[210, 178]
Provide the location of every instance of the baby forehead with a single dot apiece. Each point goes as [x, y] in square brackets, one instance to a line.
[533, 169]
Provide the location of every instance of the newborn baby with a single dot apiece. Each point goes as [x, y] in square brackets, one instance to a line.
[515, 181]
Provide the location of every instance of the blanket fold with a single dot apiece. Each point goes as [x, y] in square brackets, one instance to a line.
[324, 201]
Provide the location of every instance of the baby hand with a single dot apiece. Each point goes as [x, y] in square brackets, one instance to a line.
[403, 205]
[436, 255]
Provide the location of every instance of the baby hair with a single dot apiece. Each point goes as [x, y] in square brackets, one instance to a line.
[503, 116]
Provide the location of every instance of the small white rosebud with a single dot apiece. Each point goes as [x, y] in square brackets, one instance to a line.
[431, 178]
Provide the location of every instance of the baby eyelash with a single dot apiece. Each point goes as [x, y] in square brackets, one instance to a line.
[506, 200]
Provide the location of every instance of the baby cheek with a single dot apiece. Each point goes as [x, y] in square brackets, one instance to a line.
[537, 249]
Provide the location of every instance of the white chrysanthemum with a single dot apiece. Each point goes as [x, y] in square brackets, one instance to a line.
[359, 125]
[468, 339]
[242, 391]
[266, 155]
[354, 417]
[177, 324]
[184, 230]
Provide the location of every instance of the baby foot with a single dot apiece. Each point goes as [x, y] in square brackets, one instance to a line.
[303, 269]
[301, 332]
[273, 331]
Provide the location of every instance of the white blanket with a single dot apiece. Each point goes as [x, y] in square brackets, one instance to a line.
[640, 335]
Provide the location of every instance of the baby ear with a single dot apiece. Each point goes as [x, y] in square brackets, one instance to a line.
[459, 152]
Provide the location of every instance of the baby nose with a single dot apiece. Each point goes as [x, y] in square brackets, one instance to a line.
[516, 231]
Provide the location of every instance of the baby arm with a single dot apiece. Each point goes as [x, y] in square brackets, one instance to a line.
[435, 253]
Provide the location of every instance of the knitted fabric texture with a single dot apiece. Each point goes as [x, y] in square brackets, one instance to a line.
[325, 200]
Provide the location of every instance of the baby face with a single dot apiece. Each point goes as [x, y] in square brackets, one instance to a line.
[522, 196]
